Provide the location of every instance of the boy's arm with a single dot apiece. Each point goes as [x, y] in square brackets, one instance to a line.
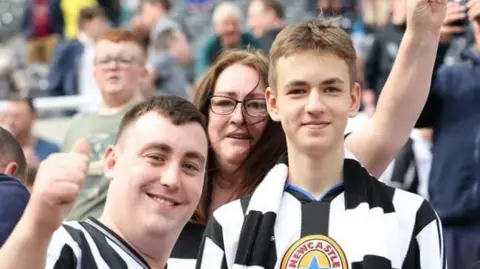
[406, 89]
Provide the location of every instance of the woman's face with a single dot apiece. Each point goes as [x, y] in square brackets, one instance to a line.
[232, 134]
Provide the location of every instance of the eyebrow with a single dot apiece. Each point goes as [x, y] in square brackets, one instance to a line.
[328, 81]
[196, 156]
[233, 94]
[168, 150]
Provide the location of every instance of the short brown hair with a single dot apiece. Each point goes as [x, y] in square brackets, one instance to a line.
[88, 13]
[275, 5]
[178, 110]
[322, 35]
[167, 4]
[118, 35]
[12, 152]
[268, 149]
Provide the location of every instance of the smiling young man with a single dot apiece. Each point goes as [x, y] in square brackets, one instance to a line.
[321, 206]
[156, 169]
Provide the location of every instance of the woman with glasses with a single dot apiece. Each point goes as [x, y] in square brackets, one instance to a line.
[245, 142]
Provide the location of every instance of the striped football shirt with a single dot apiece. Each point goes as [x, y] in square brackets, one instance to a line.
[359, 223]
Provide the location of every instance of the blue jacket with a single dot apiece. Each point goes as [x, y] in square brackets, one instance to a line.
[14, 197]
[455, 177]
[63, 74]
[55, 16]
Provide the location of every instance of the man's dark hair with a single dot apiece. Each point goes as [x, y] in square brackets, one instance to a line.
[167, 4]
[276, 6]
[11, 151]
[176, 109]
[89, 13]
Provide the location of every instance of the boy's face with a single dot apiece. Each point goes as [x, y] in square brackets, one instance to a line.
[313, 100]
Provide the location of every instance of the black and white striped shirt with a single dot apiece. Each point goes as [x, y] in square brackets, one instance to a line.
[90, 245]
[360, 224]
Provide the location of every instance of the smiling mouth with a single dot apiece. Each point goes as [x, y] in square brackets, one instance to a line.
[319, 125]
[162, 200]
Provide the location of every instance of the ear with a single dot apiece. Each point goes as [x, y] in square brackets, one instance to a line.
[355, 98]
[109, 161]
[11, 169]
[272, 104]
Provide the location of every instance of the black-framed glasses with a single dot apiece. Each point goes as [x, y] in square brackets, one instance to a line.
[224, 105]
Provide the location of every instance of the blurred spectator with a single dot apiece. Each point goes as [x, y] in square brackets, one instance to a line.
[453, 112]
[71, 13]
[15, 196]
[72, 66]
[42, 25]
[265, 17]
[119, 70]
[226, 22]
[20, 118]
[411, 168]
[169, 53]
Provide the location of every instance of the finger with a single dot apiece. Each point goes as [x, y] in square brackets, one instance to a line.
[474, 13]
[454, 17]
[81, 146]
[452, 29]
[472, 3]
[456, 9]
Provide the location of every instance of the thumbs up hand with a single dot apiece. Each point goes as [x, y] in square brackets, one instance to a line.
[58, 182]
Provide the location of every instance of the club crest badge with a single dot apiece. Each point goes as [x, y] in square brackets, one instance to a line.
[314, 252]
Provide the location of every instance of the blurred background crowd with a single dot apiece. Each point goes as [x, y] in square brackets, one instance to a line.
[49, 95]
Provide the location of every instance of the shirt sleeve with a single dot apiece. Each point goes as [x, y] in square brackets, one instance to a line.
[429, 238]
[63, 251]
[14, 197]
[211, 254]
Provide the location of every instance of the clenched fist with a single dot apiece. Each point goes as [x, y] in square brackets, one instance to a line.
[59, 180]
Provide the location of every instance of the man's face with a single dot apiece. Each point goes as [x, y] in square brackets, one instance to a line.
[118, 68]
[150, 13]
[227, 27]
[256, 18]
[18, 118]
[313, 101]
[96, 26]
[157, 172]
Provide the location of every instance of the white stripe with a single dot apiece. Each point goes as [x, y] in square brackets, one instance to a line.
[230, 217]
[288, 225]
[59, 239]
[93, 247]
[272, 185]
[174, 263]
[430, 251]
[212, 255]
[406, 205]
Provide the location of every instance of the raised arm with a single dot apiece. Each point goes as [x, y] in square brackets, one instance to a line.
[405, 91]
[59, 180]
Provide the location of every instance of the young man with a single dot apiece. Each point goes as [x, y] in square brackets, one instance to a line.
[156, 169]
[319, 207]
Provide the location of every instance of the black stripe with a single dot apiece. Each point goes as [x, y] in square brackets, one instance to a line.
[425, 216]
[188, 243]
[261, 254]
[214, 232]
[412, 259]
[373, 262]
[109, 255]
[245, 201]
[87, 261]
[67, 259]
[315, 218]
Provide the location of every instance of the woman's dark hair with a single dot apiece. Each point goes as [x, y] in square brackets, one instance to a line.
[263, 155]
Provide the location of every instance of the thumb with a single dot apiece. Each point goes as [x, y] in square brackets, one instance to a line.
[81, 146]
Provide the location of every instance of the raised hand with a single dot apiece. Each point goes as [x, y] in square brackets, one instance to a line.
[425, 16]
[59, 180]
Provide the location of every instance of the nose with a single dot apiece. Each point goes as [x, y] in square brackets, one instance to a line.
[237, 115]
[171, 176]
[314, 103]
